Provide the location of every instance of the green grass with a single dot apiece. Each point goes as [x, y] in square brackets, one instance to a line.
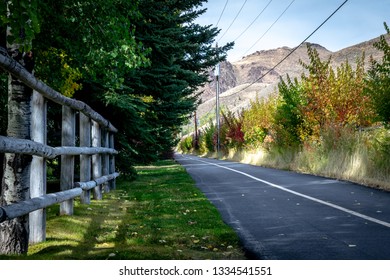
[161, 215]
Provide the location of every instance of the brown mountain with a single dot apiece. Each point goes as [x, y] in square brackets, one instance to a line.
[241, 81]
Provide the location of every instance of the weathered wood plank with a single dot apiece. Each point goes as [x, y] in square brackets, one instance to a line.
[106, 178]
[37, 219]
[24, 207]
[96, 160]
[112, 183]
[28, 147]
[23, 146]
[91, 184]
[75, 151]
[12, 211]
[68, 137]
[105, 158]
[85, 160]
[28, 79]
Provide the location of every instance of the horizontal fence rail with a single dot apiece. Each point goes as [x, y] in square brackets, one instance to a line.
[98, 181]
[29, 147]
[95, 151]
[22, 208]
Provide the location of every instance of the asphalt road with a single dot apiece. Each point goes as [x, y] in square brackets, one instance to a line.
[290, 216]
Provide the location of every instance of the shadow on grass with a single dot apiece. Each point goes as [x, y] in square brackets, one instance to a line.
[161, 215]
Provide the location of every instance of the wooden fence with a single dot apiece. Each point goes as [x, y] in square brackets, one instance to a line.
[95, 151]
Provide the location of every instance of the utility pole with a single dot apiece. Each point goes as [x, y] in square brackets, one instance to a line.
[196, 132]
[216, 73]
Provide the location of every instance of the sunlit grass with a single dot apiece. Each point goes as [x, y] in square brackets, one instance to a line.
[161, 215]
[361, 157]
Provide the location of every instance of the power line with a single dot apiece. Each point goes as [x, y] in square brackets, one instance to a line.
[223, 10]
[233, 20]
[253, 20]
[294, 49]
[291, 52]
[270, 27]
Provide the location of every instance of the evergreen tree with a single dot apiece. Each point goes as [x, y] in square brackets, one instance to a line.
[181, 55]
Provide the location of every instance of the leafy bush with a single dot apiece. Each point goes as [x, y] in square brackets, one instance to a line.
[381, 150]
[289, 119]
[258, 121]
[378, 80]
[231, 135]
[65, 78]
[207, 139]
[186, 144]
[333, 99]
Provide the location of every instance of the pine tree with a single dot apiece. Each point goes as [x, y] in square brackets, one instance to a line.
[181, 55]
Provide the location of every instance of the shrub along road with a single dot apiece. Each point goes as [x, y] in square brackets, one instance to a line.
[285, 215]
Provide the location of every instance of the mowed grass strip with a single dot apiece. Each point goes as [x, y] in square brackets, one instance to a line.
[161, 215]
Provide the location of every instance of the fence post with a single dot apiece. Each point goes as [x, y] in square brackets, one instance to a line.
[105, 158]
[38, 167]
[96, 160]
[112, 183]
[85, 160]
[67, 162]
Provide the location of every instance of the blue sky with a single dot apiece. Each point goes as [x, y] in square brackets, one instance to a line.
[355, 22]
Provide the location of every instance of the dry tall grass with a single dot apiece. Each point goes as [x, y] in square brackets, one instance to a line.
[360, 157]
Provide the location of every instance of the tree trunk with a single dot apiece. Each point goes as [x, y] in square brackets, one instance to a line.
[14, 234]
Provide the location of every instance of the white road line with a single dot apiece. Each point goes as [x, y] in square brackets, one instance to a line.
[354, 213]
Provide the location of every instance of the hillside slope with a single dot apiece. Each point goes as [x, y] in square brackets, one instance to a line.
[239, 81]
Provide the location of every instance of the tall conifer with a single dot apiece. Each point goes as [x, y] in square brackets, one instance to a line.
[182, 52]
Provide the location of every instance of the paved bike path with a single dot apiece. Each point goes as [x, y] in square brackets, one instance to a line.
[285, 215]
